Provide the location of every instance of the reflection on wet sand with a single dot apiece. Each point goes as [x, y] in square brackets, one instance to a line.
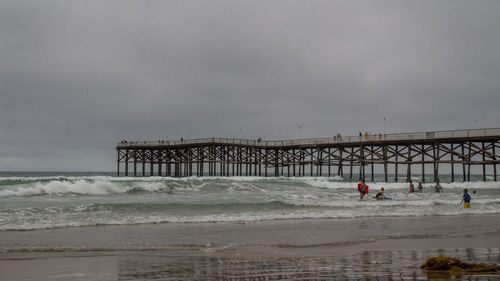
[364, 265]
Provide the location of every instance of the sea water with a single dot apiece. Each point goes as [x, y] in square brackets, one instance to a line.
[30, 201]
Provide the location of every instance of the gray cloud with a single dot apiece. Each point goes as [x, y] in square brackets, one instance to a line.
[77, 76]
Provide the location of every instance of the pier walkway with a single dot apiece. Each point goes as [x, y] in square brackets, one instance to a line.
[317, 156]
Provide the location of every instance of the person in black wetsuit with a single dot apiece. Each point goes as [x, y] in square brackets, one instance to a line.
[380, 194]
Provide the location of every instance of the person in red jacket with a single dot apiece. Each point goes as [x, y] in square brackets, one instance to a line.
[362, 188]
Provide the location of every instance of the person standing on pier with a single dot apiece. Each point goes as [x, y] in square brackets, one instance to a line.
[362, 188]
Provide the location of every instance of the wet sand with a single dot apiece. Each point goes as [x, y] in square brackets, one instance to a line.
[373, 248]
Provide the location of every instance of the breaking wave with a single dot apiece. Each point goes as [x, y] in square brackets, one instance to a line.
[106, 185]
[28, 203]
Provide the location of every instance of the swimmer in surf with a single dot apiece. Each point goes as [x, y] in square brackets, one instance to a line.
[438, 188]
[466, 198]
[380, 195]
[363, 189]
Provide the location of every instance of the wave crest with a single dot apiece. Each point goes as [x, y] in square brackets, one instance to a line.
[57, 187]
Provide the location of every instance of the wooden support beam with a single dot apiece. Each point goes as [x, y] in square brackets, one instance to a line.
[240, 157]
[463, 162]
[266, 156]
[438, 160]
[214, 161]
[361, 161]
[151, 161]
[434, 161]
[276, 169]
[159, 163]
[190, 162]
[320, 164]
[126, 162]
[118, 162]
[340, 168]
[484, 162]
[288, 163]
[384, 151]
[352, 160]
[303, 163]
[469, 160]
[143, 158]
[221, 163]
[300, 162]
[260, 162]
[209, 162]
[329, 162]
[408, 167]
[135, 162]
[311, 160]
[372, 172]
[228, 160]
[423, 163]
[396, 165]
[247, 169]
[494, 161]
[256, 161]
[233, 157]
[452, 163]
[201, 161]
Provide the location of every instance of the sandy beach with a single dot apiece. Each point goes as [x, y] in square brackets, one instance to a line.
[357, 248]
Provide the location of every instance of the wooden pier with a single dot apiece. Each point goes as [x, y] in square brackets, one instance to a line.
[455, 151]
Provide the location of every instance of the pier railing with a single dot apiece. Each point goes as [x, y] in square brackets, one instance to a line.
[318, 141]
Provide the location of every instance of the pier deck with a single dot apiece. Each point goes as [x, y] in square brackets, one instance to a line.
[317, 156]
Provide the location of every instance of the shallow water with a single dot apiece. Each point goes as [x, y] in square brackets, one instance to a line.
[372, 265]
[178, 265]
[373, 248]
[42, 201]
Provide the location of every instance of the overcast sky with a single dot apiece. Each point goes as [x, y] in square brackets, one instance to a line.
[77, 76]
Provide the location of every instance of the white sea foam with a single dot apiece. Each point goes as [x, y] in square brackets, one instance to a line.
[91, 186]
[60, 220]
[103, 185]
[102, 200]
[80, 186]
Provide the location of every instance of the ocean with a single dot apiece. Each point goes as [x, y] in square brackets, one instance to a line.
[32, 201]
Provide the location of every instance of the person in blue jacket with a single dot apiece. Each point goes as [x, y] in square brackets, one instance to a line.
[466, 198]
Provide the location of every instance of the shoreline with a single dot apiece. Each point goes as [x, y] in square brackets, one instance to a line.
[277, 220]
[388, 246]
[414, 230]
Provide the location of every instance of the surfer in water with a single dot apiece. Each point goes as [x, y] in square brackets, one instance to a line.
[363, 189]
[380, 195]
